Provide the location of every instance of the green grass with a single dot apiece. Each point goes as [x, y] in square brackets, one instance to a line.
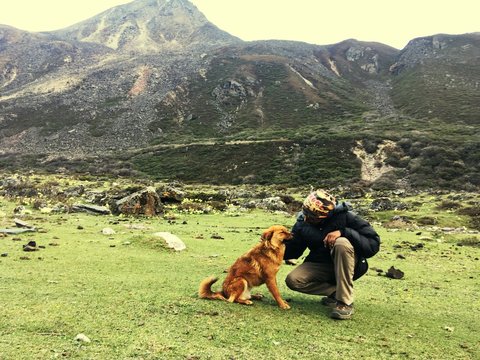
[136, 299]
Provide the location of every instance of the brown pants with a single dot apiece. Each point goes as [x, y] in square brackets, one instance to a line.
[324, 279]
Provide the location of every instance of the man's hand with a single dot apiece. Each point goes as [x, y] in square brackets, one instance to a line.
[331, 237]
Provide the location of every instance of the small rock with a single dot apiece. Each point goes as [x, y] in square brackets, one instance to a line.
[108, 231]
[394, 273]
[4, 255]
[172, 241]
[82, 338]
[21, 223]
[31, 246]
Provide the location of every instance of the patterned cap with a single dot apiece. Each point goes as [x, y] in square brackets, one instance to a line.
[318, 204]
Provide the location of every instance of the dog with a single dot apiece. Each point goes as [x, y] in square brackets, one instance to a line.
[256, 267]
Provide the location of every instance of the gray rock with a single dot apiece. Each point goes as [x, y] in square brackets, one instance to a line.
[172, 241]
[93, 209]
[143, 202]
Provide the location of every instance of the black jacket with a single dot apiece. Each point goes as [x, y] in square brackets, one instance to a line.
[359, 232]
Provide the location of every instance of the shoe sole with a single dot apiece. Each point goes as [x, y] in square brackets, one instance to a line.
[338, 316]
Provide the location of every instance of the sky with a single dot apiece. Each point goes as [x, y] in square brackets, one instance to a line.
[391, 22]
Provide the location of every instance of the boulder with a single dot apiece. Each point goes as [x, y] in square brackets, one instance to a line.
[171, 240]
[170, 194]
[143, 202]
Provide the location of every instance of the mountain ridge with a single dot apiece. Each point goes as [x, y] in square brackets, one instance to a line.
[147, 76]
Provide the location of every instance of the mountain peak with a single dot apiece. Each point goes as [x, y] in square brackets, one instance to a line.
[148, 26]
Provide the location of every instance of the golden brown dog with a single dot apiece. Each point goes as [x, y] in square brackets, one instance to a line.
[258, 266]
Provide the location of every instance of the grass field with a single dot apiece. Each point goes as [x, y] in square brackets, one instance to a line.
[136, 299]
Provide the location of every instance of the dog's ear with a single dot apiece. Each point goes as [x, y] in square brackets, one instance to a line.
[267, 235]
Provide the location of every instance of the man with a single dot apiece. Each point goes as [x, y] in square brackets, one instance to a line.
[339, 242]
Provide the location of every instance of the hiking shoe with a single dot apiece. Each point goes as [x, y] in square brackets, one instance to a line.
[342, 311]
[329, 301]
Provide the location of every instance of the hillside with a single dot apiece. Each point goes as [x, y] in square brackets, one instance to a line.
[153, 88]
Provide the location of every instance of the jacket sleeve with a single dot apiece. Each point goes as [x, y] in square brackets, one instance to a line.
[361, 234]
[295, 247]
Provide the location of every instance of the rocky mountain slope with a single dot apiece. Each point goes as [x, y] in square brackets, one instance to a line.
[154, 79]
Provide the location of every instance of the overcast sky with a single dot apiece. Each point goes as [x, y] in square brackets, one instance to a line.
[314, 21]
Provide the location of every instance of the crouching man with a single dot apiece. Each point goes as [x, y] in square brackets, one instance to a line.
[339, 242]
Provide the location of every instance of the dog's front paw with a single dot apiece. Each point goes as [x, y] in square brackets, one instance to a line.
[284, 306]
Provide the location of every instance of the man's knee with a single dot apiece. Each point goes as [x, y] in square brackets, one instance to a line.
[344, 245]
[292, 282]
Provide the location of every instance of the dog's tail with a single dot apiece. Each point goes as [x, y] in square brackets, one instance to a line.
[205, 289]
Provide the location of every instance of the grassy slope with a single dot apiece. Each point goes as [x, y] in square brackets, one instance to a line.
[138, 300]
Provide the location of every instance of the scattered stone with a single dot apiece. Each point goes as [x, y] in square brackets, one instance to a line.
[383, 204]
[172, 241]
[108, 231]
[24, 258]
[274, 203]
[4, 255]
[137, 227]
[400, 256]
[216, 236]
[17, 231]
[82, 338]
[31, 246]
[19, 209]
[79, 227]
[394, 273]
[417, 247]
[22, 224]
[402, 218]
[92, 209]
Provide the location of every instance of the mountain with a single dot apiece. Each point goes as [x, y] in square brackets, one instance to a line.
[148, 26]
[152, 87]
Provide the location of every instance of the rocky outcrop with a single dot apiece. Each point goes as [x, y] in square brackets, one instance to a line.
[145, 202]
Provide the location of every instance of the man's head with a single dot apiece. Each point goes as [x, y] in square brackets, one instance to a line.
[318, 205]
